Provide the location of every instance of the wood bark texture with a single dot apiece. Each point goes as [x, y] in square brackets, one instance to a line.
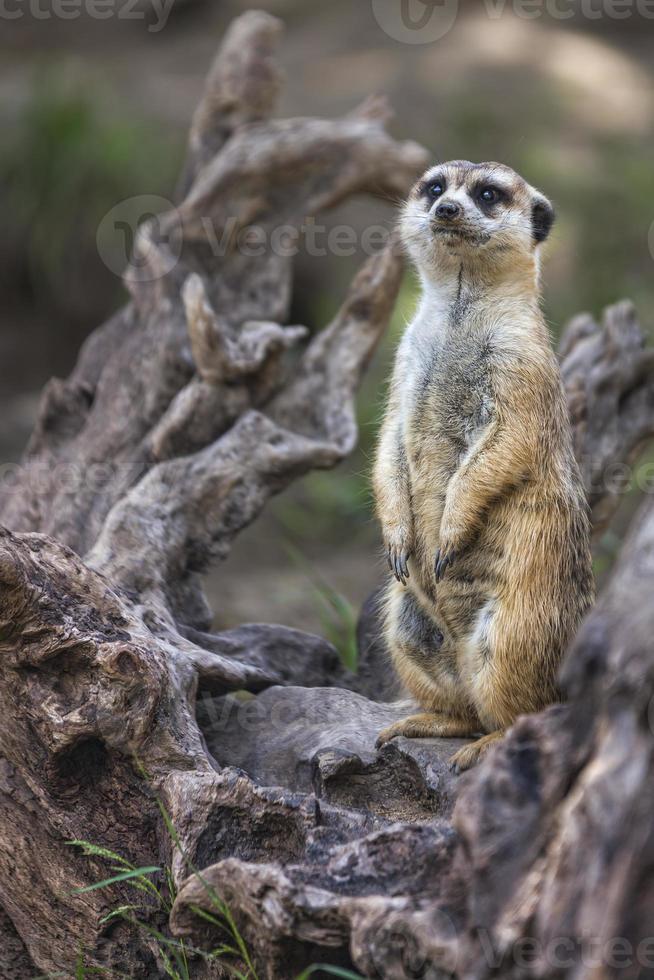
[185, 413]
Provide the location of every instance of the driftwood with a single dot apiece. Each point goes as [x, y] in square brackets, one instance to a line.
[184, 414]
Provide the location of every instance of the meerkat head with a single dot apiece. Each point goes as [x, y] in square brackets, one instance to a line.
[475, 212]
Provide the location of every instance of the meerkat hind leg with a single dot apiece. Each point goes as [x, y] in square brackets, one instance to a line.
[421, 658]
[427, 725]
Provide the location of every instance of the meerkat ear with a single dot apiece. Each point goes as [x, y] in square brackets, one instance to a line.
[542, 218]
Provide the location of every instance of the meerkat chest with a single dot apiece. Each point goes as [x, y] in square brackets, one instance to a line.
[449, 395]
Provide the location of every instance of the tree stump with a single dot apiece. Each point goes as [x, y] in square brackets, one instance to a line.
[185, 413]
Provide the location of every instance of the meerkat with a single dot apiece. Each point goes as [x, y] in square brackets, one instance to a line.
[482, 509]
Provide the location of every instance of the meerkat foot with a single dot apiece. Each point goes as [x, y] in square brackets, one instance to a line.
[442, 561]
[426, 725]
[470, 755]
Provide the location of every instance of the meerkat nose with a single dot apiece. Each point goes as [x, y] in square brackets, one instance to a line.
[448, 210]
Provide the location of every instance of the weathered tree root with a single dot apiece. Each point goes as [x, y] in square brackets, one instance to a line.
[184, 414]
[608, 375]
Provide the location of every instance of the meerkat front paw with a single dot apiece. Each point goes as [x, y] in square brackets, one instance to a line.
[398, 554]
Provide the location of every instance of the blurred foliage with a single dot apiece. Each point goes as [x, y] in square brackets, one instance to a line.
[322, 502]
[64, 163]
[631, 486]
[601, 184]
[338, 617]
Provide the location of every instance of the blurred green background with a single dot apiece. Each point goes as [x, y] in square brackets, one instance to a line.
[95, 111]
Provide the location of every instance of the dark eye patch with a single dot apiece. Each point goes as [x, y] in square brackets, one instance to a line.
[432, 188]
[488, 195]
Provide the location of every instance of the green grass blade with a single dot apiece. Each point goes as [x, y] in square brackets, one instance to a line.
[168, 966]
[123, 876]
[121, 912]
[334, 971]
[166, 940]
[224, 950]
[230, 929]
[337, 615]
[172, 889]
[215, 899]
[170, 827]
[94, 850]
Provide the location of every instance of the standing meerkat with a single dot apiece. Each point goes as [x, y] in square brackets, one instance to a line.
[480, 500]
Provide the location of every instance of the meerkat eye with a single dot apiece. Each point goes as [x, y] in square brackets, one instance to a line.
[489, 195]
[435, 190]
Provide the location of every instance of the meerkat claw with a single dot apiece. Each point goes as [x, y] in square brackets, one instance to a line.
[392, 562]
[398, 564]
[402, 573]
[385, 736]
[442, 562]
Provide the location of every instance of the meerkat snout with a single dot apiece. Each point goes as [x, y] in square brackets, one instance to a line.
[448, 210]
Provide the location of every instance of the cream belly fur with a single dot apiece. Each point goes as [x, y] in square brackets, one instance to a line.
[477, 490]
